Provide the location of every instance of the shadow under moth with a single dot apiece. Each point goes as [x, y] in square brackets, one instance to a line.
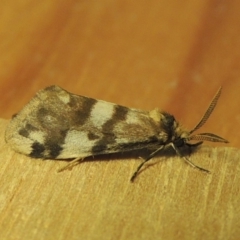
[57, 124]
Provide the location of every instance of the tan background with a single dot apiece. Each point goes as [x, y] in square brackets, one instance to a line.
[173, 55]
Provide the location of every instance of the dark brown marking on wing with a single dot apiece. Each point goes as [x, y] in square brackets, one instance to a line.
[27, 129]
[51, 121]
[151, 142]
[82, 111]
[54, 149]
[92, 136]
[23, 132]
[54, 142]
[52, 146]
[42, 112]
[30, 127]
[37, 150]
[120, 114]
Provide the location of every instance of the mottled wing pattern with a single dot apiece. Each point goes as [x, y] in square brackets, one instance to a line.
[58, 124]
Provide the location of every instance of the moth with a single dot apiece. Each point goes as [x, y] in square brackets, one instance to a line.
[57, 124]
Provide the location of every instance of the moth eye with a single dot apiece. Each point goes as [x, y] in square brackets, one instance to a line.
[179, 142]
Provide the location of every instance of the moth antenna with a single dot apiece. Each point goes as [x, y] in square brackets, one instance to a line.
[209, 111]
[207, 137]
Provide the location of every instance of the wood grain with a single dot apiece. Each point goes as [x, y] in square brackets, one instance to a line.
[96, 200]
[173, 55]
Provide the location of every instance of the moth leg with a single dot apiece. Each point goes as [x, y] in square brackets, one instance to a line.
[71, 164]
[145, 160]
[195, 166]
[187, 160]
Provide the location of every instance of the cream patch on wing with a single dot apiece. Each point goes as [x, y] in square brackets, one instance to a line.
[64, 97]
[101, 113]
[37, 136]
[77, 144]
[20, 144]
[133, 118]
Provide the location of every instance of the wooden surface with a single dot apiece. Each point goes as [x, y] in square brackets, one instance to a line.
[173, 55]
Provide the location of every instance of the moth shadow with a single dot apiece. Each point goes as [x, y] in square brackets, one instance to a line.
[141, 154]
[164, 155]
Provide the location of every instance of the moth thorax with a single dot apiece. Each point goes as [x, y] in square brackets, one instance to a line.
[155, 114]
[179, 132]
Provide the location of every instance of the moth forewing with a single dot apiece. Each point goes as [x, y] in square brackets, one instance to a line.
[56, 124]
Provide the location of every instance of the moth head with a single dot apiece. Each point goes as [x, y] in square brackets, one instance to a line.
[171, 131]
[185, 136]
[179, 135]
